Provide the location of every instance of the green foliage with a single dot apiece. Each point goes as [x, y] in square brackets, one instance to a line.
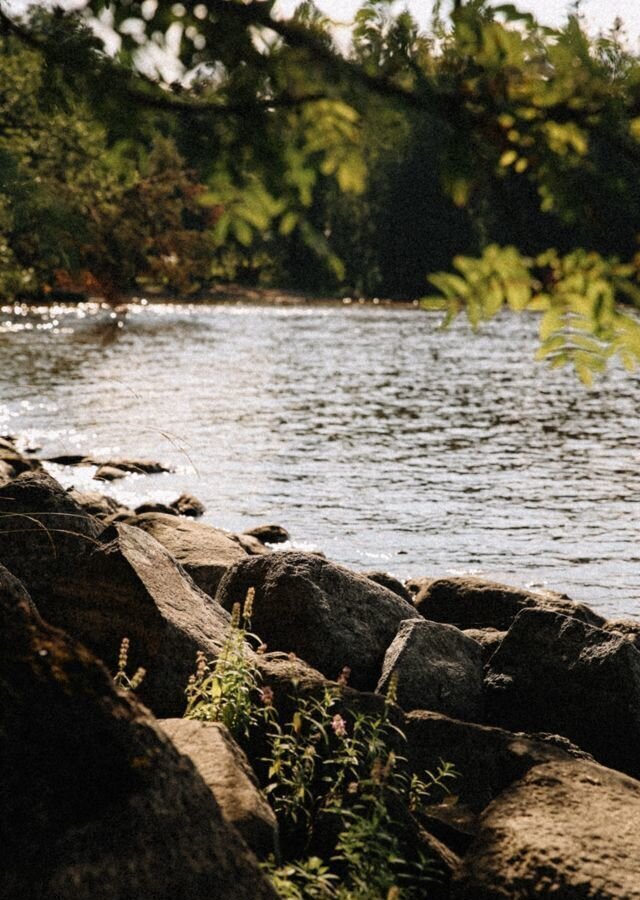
[227, 691]
[341, 792]
[582, 324]
[223, 141]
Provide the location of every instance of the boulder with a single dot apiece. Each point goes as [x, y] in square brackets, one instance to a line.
[628, 627]
[109, 473]
[97, 804]
[44, 532]
[205, 552]
[488, 638]
[568, 829]
[487, 760]
[391, 583]
[437, 667]
[7, 472]
[130, 586]
[474, 603]
[188, 505]
[270, 534]
[18, 462]
[125, 464]
[416, 585]
[99, 505]
[225, 770]
[329, 616]
[555, 673]
[69, 459]
[252, 545]
[155, 508]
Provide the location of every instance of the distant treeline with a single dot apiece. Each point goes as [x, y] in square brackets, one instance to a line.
[361, 193]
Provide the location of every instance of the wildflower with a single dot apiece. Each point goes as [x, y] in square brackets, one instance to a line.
[343, 677]
[201, 664]
[235, 615]
[248, 603]
[266, 695]
[392, 689]
[124, 654]
[339, 725]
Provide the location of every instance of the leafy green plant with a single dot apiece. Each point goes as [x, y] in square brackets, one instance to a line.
[228, 690]
[583, 323]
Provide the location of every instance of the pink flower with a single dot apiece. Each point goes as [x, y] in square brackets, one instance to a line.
[339, 725]
[266, 695]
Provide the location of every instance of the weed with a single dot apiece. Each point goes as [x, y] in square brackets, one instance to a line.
[121, 678]
[228, 690]
[340, 789]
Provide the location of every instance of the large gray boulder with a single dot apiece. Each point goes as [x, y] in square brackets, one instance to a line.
[475, 603]
[43, 530]
[225, 769]
[130, 586]
[322, 612]
[102, 585]
[554, 673]
[97, 804]
[567, 830]
[436, 667]
[204, 551]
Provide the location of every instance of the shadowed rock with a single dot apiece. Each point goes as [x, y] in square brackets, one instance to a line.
[474, 603]
[488, 638]
[487, 759]
[554, 673]
[269, 534]
[131, 587]
[188, 505]
[43, 531]
[99, 505]
[322, 612]
[205, 552]
[391, 583]
[437, 667]
[97, 804]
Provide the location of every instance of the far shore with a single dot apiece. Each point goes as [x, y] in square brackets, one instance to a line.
[220, 294]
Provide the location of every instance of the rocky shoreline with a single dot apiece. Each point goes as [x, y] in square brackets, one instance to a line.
[532, 697]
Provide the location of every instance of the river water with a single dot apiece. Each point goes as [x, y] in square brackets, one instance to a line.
[366, 431]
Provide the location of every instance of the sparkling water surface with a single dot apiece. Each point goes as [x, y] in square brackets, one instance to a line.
[366, 431]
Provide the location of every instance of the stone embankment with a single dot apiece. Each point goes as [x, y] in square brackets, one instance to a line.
[533, 698]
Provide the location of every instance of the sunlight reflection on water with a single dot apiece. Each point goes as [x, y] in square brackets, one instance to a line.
[365, 431]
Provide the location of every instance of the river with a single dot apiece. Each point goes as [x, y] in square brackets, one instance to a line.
[366, 431]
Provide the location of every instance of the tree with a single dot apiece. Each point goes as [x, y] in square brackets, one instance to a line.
[533, 133]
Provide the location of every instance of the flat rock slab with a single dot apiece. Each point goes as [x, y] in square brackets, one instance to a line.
[552, 673]
[567, 830]
[325, 614]
[475, 603]
[435, 667]
[225, 769]
[204, 551]
[97, 804]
